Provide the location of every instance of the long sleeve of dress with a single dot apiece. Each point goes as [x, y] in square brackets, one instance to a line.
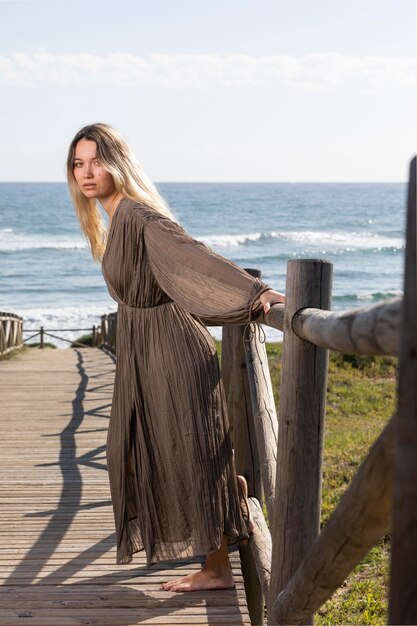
[201, 281]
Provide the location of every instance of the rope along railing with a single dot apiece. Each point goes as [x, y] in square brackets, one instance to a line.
[95, 332]
[12, 331]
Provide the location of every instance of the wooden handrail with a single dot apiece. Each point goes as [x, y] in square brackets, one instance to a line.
[371, 330]
[108, 332]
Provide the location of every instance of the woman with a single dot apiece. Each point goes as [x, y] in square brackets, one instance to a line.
[173, 484]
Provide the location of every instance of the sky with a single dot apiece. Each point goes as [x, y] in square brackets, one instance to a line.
[226, 90]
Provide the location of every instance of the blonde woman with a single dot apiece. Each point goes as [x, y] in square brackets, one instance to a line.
[174, 489]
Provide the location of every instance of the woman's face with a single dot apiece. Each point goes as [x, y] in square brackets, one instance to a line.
[93, 180]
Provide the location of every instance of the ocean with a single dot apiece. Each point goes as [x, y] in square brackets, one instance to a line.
[47, 274]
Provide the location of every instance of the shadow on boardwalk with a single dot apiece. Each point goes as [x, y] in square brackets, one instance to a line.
[59, 559]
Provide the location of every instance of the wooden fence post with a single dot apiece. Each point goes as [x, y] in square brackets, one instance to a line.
[42, 335]
[300, 431]
[264, 413]
[104, 330]
[403, 591]
[245, 451]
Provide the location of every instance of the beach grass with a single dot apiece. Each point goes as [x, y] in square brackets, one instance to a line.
[361, 398]
[86, 340]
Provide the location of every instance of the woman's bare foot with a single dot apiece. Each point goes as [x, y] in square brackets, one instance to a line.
[201, 580]
[244, 504]
[216, 574]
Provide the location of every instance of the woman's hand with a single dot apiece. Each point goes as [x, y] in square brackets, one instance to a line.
[270, 297]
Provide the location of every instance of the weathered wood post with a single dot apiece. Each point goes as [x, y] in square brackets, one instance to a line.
[300, 432]
[20, 334]
[112, 332]
[42, 333]
[239, 405]
[93, 338]
[7, 328]
[263, 411]
[104, 330]
[245, 451]
[403, 592]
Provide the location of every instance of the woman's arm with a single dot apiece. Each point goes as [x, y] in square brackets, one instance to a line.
[201, 281]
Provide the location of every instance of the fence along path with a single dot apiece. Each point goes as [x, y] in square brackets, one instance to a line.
[57, 542]
[296, 568]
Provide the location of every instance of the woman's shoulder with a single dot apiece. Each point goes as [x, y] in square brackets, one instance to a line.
[140, 212]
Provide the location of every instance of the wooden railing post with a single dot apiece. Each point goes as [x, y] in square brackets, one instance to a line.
[403, 596]
[300, 431]
[11, 333]
[104, 330]
[42, 334]
[112, 332]
[264, 412]
[236, 386]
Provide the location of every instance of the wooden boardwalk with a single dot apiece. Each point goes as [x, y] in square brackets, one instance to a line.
[57, 542]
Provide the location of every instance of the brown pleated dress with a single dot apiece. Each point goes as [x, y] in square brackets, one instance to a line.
[172, 478]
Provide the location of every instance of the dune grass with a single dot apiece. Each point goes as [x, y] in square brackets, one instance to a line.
[361, 398]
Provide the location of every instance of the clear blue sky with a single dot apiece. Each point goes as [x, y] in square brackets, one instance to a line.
[226, 90]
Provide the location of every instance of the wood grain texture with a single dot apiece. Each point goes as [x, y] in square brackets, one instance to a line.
[403, 592]
[57, 541]
[261, 545]
[371, 330]
[301, 428]
[245, 451]
[263, 411]
[368, 330]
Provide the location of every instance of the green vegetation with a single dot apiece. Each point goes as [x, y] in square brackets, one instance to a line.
[361, 398]
[84, 339]
[9, 355]
[26, 346]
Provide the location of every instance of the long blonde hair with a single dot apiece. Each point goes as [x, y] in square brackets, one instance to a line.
[129, 179]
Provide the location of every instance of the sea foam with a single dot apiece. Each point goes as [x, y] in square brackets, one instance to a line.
[331, 239]
[15, 242]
